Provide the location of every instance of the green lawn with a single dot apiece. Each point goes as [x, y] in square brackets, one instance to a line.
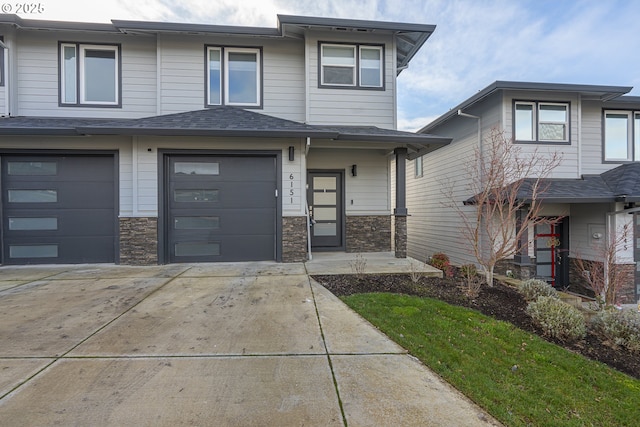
[516, 376]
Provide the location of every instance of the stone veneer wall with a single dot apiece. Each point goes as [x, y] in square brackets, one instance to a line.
[368, 233]
[519, 271]
[139, 241]
[294, 239]
[627, 294]
[400, 236]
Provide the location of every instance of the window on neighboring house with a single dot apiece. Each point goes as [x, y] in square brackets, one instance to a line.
[546, 122]
[234, 76]
[89, 74]
[350, 66]
[621, 136]
[417, 167]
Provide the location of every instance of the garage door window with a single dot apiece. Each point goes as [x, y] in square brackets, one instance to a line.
[195, 195]
[197, 168]
[32, 168]
[30, 224]
[33, 196]
[197, 223]
[197, 249]
[33, 251]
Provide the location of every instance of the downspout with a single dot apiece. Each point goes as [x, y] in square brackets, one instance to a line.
[480, 157]
[579, 131]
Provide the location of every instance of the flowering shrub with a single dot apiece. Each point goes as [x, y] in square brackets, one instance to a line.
[557, 319]
[441, 262]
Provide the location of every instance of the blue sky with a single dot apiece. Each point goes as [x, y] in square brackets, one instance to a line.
[475, 43]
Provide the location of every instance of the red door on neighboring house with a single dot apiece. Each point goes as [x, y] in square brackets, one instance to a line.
[551, 252]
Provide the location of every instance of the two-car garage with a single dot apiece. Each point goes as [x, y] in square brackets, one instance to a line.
[63, 208]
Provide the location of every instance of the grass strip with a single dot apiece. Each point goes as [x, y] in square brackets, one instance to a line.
[519, 378]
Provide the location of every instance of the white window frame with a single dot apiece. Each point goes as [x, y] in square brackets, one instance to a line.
[226, 79]
[380, 68]
[80, 83]
[536, 122]
[224, 75]
[630, 143]
[356, 67]
[208, 76]
[565, 122]
[418, 168]
[325, 63]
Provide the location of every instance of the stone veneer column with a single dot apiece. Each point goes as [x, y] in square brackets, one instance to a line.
[400, 239]
[139, 241]
[294, 239]
[370, 233]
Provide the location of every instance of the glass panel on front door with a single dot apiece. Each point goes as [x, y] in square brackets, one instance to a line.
[325, 205]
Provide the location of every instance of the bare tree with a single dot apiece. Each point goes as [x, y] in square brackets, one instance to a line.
[504, 182]
[606, 278]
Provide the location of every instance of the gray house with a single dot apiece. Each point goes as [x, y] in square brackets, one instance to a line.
[148, 142]
[596, 188]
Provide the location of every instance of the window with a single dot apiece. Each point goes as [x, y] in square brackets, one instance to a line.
[417, 167]
[621, 136]
[541, 122]
[89, 74]
[351, 66]
[234, 76]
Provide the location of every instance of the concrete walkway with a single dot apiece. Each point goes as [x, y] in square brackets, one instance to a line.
[255, 344]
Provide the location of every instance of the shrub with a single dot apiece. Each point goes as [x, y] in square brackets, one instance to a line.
[533, 288]
[441, 261]
[469, 274]
[618, 328]
[557, 319]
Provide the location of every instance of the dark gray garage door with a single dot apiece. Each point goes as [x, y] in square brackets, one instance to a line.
[221, 208]
[58, 209]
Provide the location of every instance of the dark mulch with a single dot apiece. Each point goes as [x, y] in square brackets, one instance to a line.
[501, 301]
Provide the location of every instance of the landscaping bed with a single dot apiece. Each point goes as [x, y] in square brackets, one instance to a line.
[501, 301]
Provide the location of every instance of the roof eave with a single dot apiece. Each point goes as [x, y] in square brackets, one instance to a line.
[253, 133]
[608, 93]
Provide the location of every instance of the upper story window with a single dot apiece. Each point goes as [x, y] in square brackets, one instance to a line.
[546, 122]
[621, 136]
[350, 66]
[89, 74]
[234, 76]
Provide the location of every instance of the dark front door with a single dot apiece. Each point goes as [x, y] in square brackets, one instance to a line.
[326, 207]
[220, 208]
[58, 209]
[551, 250]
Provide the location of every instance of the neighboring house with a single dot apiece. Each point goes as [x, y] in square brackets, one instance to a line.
[595, 188]
[146, 142]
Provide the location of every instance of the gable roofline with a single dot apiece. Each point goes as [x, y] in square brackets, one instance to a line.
[604, 93]
[409, 37]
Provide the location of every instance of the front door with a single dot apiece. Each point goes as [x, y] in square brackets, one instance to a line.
[551, 250]
[326, 207]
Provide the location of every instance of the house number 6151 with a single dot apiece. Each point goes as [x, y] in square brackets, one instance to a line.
[291, 190]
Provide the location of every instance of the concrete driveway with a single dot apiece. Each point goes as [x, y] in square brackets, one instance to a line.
[256, 344]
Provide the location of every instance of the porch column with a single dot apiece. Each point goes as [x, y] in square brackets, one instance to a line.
[400, 212]
[522, 250]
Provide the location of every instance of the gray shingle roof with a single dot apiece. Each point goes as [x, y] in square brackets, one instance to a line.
[222, 121]
[621, 184]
